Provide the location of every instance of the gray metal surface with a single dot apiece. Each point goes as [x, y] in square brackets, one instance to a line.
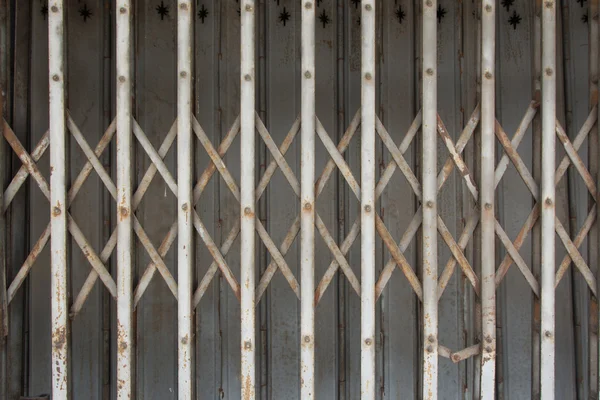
[399, 341]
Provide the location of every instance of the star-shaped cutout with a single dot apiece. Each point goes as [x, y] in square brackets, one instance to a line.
[162, 10]
[284, 16]
[507, 4]
[356, 3]
[584, 18]
[85, 13]
[324, 18]
[514, 20]
[400, 14]
[44, 11]
[203, 13]
[441, 13]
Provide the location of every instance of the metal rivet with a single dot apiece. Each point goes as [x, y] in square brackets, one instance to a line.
[308, 5]
[184, 340]
[54, 9]
[549, 71]
[247, 211]
[549, 4]
[488, 75]
[121, 79]
[431, 338]
[247, 77]
[183, 74]
[248, 7]
[488, 8]
[429, 349]
[56, 211]
[488, 339]
[488, 349]
[247, 345]
[368, 208]
[548, 202]
[429, 204]
[548, 334]
[184, 207]
[123, 10]
[183, 6]
[368, 76]
[368, 342]
[428, 3]
[429, 71]
[488, 206]
[124, 211]
[307, 339]
[368, 7]
[307, 75]
[55, 78]
[307, 206]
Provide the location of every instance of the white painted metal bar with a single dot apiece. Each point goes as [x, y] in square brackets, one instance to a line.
[185, 248]
[547, 199]
[247, 199]
[58, 202]
[487, 204]
[367, 179]
[429, 189]
[307, 200]
[125, 339]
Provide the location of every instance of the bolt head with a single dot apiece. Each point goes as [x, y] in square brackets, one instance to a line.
[247, 77]
[308, 5]
[306, 339]
[307, 75]
[368, 7]
[54, 9]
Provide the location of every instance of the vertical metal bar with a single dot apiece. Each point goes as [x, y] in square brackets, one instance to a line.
[185, 242]
[307, 222]
[593, 43]
[367, 180]
[429, 184]
[58, 203]
[247, 203]
[537, 168]
[488, 261]
[124, 222]
[548, 198]
[4, 109]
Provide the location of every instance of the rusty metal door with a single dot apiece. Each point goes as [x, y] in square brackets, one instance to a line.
[316, 199]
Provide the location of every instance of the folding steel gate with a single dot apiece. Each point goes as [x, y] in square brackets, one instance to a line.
[339, 215]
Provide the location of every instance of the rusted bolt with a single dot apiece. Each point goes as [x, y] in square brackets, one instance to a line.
[548, 334]
[55, 78]
[488, 206]
[307, 75]
[429, 71]
[549, 71]
[548, 201]
[247, 211]
[488, 339]
[488, 349]
[428, 3]
[368, 76]
[429, 349]
[248, 7]
[488, 75]
[549, 4]
[183, 74]
[308, 5]
[307, 206]
[123, 10]
[56, 211]
[184, 6]
[455, 357]
[367, 208]
[184, 340]
[184, 206]
[124, 211]
[368, 7]
[429, 204]
[368, 342]
[306, 339]
[54, 9]
[122, 79]
[431, 338]
[488, 8]
[247, 77]
[247, 345]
